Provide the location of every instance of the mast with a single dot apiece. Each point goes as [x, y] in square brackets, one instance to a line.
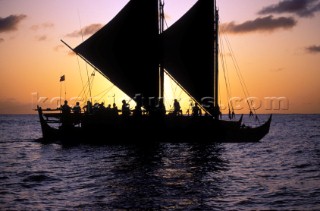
[161, 67]
[216, 64]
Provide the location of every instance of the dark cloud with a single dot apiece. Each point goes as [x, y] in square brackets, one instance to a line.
[58, 47]
[63, 48]
[313, 49]
[41, 38]
[302, 8]
[71, 53]
[10, 23]
[42, 26]
[264, 24]
[88, 30]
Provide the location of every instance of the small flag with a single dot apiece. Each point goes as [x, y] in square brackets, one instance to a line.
[62, 78]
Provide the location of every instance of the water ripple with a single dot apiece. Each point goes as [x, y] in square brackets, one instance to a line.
[280, 173]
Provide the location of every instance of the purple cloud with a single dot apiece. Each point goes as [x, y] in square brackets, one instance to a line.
[10, 23]
[42, 26]
[264, 24]
[41, 38]
[302, 8]
[88, 30]
[313, 49]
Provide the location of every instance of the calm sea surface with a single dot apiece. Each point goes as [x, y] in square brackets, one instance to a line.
[282, 172]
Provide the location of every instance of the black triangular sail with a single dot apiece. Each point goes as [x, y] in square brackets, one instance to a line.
[188, 50]
[126, 49]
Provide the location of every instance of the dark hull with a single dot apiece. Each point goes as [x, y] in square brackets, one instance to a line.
[100, 129]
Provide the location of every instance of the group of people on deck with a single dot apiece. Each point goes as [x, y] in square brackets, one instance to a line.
[156, 110]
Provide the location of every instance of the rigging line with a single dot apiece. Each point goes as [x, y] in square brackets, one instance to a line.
[179, 95]
[175, 88]
[108, 89]
[226, 71]
[86, 63]
[237, 67]
[171, 85]
[79, 69]
[83, 89]
[167, 97]
[102, 97]
[90, 94]
[92, 76]
[235, 64]
[166, 101]
[80, 24]
[175, 91]
[163, 17]
[200, 105]
[78, 61]
[84, 92]
[92, 65]
[65, 91]
[227, 81]
[227, 87]
[166, 23]
[243, 85]
[91, 83]
[104, 92]
[60, 93]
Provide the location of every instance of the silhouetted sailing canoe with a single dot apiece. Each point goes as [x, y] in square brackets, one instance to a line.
[134, 52]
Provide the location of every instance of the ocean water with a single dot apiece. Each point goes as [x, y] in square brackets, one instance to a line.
[282, 172]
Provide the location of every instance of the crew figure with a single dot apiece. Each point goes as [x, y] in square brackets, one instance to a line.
[76, 109]
[88, 107]
[115, 110]
[125, 108]
[65, 115]
[196, 111]
[161, 109]
[176, 108]
[66, 109]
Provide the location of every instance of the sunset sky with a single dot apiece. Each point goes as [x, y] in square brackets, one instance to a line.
[276, 45]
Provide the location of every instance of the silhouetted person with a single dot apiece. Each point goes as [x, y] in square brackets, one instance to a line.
[125, 108]
[176, 108]
[217, 113]
[66, 109]
[65, 115]
[76, 109]
[231, 114]
[151, 107]
[102, 107]
[108, 107]
[161, 109]
[196, 111]
[137, 110]
[96, 108]
[88, 107]
[105, 110]
[115, 110]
